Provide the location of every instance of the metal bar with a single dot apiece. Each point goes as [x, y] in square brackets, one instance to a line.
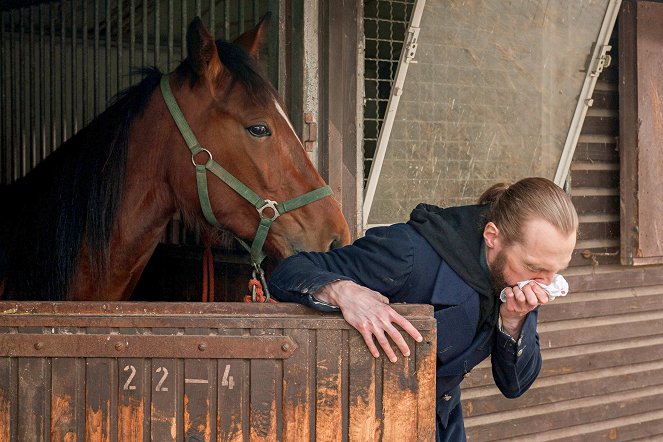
[212, 13]
[132, 39]
[183, 53]
[198, 8]
[146, 346]
[144, 55]
[32, 95]
[226, 20]
[359, 134]
[84, 61]
[108, 54]
[241, 17]
[584, 99]
[54, 94]
[385, 130]
[63, 78]
[42, 81]
[74, 72]
[23, 101]
[120, 31]
[95, 60]
[157, 32]
[4, 144]
[14, 115]
[171, 25]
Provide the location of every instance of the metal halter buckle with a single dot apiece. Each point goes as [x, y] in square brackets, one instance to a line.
[269, 204]
[193, 157]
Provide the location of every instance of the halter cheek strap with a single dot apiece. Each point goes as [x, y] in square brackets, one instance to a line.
[260, 204]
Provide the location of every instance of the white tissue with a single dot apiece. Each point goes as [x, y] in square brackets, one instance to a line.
[558, 287]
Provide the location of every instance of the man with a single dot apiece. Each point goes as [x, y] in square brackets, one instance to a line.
[458, 259]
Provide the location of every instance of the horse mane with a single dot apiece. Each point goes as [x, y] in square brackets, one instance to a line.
[71, 198]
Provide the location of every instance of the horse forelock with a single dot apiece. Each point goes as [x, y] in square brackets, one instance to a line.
[70, 201]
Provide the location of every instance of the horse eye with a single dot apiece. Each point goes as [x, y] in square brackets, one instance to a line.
[259, 130]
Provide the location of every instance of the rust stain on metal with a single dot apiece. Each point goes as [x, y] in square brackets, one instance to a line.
[131, 415]
[95, 425]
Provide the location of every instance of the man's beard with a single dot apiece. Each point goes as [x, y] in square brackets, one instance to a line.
[497, 272]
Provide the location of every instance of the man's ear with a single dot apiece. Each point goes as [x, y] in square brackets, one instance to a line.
[491, 235]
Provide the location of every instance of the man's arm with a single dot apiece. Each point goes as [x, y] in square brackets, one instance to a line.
[360, 279]
[516, 357]
[516, 363]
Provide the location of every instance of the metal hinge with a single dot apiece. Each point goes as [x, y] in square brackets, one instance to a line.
[411, 44]
[310, 132]
[603, 61]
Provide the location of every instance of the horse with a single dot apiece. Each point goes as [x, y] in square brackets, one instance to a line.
[82, 225]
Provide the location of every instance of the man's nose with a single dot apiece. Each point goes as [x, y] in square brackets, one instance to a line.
[545, 278]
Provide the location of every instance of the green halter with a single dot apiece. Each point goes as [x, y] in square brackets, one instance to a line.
[257, 255]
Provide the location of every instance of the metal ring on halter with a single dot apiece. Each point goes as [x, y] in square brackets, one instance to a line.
[269, 204]
[193, 157]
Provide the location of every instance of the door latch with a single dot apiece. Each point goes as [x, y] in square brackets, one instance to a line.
[603, 61]
[310, 132]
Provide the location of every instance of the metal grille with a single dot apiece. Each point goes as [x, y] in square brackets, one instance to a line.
[385, 26]
[63, 61]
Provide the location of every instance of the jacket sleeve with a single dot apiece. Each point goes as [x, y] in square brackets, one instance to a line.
[516, 364]
[383, 261]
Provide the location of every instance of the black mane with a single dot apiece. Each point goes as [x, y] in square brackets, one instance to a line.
[72, 197]
[73, 194]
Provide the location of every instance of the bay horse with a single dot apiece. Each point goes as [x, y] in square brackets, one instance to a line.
[83, 224]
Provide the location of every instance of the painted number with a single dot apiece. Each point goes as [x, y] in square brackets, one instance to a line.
[127, 385]
[163, 379]
[227, 381]
[132, 373]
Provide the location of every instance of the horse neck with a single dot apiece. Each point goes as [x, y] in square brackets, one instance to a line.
[146, 208]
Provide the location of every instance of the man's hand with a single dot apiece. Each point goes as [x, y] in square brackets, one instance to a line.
[369, 312]
[519, 302]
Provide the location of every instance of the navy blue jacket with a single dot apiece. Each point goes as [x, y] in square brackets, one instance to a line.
[400, 264]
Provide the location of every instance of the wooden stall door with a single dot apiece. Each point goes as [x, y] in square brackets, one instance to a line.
[125, 372]
[641, 129]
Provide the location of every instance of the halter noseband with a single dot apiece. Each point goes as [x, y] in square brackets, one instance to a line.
[257, 255]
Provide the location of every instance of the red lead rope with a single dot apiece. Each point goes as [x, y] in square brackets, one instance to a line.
[256, 287]
[208, 275]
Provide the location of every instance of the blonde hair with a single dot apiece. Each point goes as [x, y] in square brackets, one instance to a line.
[511, 206]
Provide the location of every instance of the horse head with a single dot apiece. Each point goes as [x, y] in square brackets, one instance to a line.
[241, 127]
[83, 224]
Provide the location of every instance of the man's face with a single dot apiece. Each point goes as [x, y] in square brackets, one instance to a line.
[542, 252]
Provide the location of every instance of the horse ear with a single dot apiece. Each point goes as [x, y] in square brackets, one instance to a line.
[252, 40]
[202, 52]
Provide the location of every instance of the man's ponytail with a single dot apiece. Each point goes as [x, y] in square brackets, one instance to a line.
[512, 205]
